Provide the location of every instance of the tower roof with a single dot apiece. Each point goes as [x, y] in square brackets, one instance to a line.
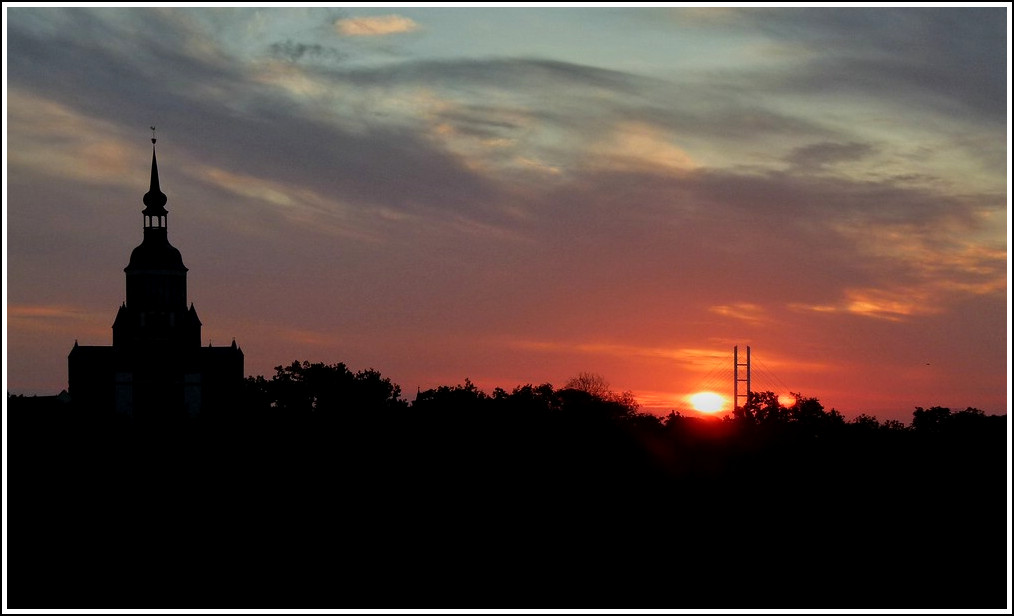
[155, 251]
[154, 199]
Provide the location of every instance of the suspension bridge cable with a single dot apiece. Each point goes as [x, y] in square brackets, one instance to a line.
[770, 375]
[712, 376]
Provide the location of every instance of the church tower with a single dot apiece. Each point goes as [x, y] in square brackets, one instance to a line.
[155, 313]
[156, 366]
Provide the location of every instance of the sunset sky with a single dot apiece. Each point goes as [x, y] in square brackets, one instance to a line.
[518, 195]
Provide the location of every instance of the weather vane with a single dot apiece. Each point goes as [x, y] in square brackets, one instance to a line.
[153, 135]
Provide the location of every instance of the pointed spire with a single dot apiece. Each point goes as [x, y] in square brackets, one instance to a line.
[154, 199]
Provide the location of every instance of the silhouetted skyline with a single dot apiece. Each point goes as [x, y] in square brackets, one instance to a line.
[520, 195]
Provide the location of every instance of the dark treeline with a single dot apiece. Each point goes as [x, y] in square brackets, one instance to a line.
[324, 488]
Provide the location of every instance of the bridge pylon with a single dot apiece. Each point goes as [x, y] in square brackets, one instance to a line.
[737, 378]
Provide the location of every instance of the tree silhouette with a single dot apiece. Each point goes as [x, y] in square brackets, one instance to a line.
[762, 407]
[865, 423]
[527, 400]
[465, 498]
[590, 383]
[809, 416]
[805, 416]
[458, 399]
[589, 392]
[304, 388]
[932, 419]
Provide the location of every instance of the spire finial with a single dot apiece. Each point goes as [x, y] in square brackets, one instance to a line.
[155, 199]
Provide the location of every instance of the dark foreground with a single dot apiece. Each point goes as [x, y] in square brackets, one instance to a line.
[413, 511]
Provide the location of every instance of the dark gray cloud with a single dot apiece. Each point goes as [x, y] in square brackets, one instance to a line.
[485, 121]
[294, 52]
[107, 69]
[135, 67]
[503, 73]
[250, 130]
[243, 126]
[582, 100]
[950, 60]
[817, 155]
[788, 198]
[724, 117]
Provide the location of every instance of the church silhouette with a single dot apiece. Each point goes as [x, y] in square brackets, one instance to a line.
[156, 366]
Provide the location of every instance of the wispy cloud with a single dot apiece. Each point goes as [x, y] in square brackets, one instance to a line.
[888, 304]
[691, 357]
[45, 311]
[313, 338]
[637, 145]
[56, 319]
[88, 149]
[743, 311]
[381, 25]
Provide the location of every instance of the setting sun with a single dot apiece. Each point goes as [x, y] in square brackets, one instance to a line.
[707, 402]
